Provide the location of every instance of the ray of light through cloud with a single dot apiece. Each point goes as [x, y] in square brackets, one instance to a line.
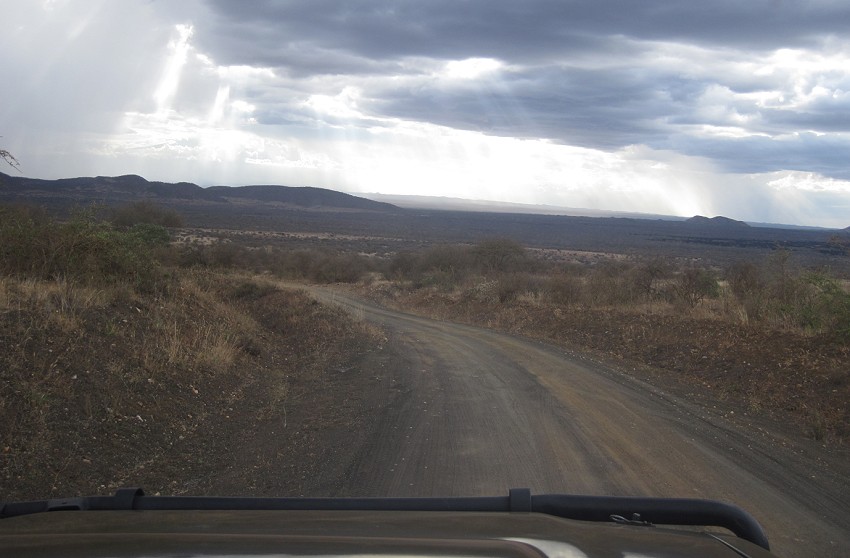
[178, 49]
[538, 102]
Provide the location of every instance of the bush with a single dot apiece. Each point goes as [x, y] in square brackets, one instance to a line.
[448, 265]
[292, 264]
[402, 266]
[510, 286]
[642, 278]
[252, 290]
[453, 262]
[150, 235]
[829, 310]
[747, 283]
[565, 289]
[146, 212]
[337, 268]
[26, 233]
[219, 255]
[500, 255]
[444, 266]
[694, 284]
[84, 249]
[608, 284]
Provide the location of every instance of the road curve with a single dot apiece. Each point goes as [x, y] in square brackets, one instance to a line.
[478, 412]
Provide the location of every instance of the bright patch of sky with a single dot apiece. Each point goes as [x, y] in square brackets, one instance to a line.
[740, 110]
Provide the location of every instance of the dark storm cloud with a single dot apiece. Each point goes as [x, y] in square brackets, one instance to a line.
[516, 31]
[356, 92]
[581, 73]
[589, 108]
[822, 116]
[800, 152]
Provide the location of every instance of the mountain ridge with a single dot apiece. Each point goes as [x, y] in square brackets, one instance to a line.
[716, 222]
[132, 187]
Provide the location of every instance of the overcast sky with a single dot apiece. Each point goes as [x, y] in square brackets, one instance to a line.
[729, 107]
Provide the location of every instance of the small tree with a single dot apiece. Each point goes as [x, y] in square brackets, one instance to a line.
[830, 307]
[840, 244]
[748, 284]
[644, 275]
[694, 285]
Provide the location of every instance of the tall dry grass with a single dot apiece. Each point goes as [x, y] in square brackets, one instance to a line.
[772, 294]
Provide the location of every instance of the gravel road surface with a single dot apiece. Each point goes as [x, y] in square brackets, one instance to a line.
[477, 412]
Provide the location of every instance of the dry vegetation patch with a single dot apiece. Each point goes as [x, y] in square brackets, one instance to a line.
[767, 337]
[189, 367]
[101, 388]
[121, 369]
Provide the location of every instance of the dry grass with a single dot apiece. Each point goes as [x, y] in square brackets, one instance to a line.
[116, 377]
[115, 348]
[140, 360]
[779, 347]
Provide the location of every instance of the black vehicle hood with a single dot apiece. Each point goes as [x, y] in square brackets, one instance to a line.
[347, 533]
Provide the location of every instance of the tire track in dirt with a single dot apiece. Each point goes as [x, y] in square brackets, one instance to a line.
[480, 412]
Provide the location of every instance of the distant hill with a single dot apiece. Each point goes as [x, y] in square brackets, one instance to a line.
[122, 189]
[409, 201]
[298, 196]
[716, 222]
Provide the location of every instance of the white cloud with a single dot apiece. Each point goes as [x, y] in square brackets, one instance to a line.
[471, 68]
[342, 105]
[807, 182]
[624, 113]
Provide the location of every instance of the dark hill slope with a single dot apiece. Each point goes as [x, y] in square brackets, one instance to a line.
[716, 222]
[122, 189]
[297, 196]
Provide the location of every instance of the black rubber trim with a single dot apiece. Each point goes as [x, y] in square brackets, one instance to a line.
[657, 511]
[125, 498]
[520, 499]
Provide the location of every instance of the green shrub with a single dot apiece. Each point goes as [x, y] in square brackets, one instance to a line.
[26, 234]
[150, 234]
[146, 212]
[829, 310]
[84, 249]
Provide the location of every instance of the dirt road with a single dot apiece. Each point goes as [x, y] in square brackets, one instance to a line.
[477, 412]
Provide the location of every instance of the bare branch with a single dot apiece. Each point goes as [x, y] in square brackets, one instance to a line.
[9, 158]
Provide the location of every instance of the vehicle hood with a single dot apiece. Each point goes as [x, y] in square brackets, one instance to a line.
[347, 533]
